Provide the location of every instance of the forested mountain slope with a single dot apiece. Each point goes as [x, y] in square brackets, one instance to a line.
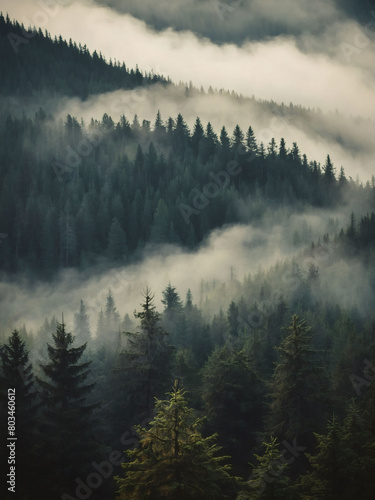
[214, 288]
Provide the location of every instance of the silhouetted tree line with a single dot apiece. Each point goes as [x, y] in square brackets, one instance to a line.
[32, 61]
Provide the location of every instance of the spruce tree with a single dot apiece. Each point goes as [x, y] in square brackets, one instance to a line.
[81, 324]
[299, 387]
[327, 479]
[268, 480]
[145, 363]
[197, 136]
[171, 299]
[233, 396]
[117, 246]
[251, 141]
[17, 380]
[344, 463]
[173, 459]
[68, 441]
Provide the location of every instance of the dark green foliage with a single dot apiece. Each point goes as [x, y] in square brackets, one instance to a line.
[67, 426]
[17, 381]
[67, 69]
[268, 479]
[81, 324]
[117, 248]
[233, 396]
[83, 191]
[173, 459]
[299, 387]
[145, 362]
[86, 195]
[343, 465]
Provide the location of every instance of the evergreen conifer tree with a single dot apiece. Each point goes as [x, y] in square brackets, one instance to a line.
[173, 459]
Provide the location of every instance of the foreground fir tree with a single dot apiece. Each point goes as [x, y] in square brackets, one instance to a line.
[17, 376]
[67, 424]
[173, 459]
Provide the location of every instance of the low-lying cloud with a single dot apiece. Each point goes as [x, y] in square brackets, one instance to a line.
[348, 142]
[242, 248]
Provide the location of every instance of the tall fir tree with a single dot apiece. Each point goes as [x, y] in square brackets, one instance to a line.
[145, 362]
[81, 324]
[68, 434]
[299, 387]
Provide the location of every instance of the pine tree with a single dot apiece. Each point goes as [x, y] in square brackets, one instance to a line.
[299, 387]
[268, 480]
[329, 172]
[173, 460]
[111, 315]
[232, 316]
[117, 247]
[271, 148]
[327, 477]
[237, 141]
[189, 300]
[17, 378]
[208, 144]
[171, 299]
[233, 396]
[160, 230]
[343, 465]
[251, 142]
[197, 136]
[159, 128]
[81, 324]
[68, 440]
[282, 149]
[100, 327]
[146, 360]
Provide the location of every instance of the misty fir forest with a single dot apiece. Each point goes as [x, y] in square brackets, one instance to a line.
[187, 293]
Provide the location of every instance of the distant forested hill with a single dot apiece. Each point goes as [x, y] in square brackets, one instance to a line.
[37, 63]
[73, 192]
